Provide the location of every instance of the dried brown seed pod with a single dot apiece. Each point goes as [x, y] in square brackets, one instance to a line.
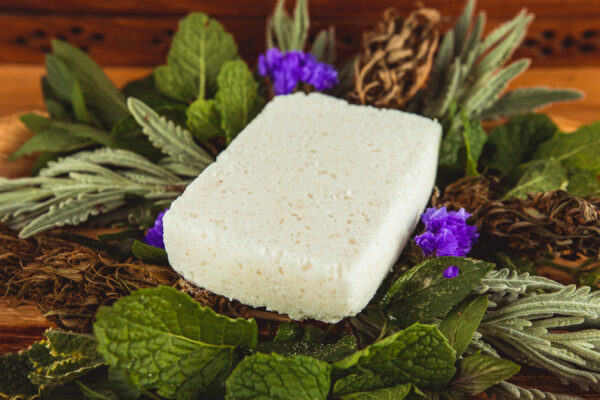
[396, 59]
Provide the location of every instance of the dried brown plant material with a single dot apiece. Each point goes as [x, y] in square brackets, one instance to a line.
[557, 222]
[396, 59]
[68, 281]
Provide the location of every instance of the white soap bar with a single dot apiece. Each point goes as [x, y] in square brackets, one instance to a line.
[308, 208]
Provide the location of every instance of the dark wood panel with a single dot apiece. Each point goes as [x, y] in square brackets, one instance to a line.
[324, 8]
[144, 40]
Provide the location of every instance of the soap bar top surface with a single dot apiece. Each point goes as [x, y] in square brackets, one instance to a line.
[307, 209]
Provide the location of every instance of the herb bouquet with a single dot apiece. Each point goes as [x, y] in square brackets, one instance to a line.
[460, 313]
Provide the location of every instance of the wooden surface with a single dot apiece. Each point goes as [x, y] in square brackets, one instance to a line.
[566, 32]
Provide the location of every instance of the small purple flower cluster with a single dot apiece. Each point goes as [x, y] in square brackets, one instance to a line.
[289, 68]
[447, 234]
[154, 236]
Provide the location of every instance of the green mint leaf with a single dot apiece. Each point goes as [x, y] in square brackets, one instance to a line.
[203, 120]
[538, 176]
[419, 354]
[579, 149]
[423, 293]
[583, 183]
[329, 352]
[392, 393]
[513, 143]
[237, 99]
[149, 254]
[264, 376]
[14, 369]
[477, 373]
[361, 382]
[475, 138]
[105, 100]
[199, 49]
[168, 342]
[462, 321]
[64, 84]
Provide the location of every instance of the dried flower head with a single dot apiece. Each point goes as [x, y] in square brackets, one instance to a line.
[289, 68]
[154, 236]
[446, 233]
[396, 59]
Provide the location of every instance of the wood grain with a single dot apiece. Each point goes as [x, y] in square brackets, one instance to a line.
[20, 326]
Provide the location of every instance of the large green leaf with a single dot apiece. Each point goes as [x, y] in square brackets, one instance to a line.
[264, 376]
[199, 49]
[169, 342]
[14, 369]
[583, 183]
[203, 120]
[477, 373]
[539, 176]
[99, 92]
[419, 354]
[579, 149]
[462, 321]
[237, 99]
[514, 143]
[423, 293]
[64, 84]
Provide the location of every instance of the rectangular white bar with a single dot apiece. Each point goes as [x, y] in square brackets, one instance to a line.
[308, 208]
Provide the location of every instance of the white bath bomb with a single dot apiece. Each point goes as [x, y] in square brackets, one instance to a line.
[308, 208]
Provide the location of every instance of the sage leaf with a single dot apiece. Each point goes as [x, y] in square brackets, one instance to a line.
[462, 321]
[14, 369]
[423, 293]
[237, 99]
[203, 120]
[105, 100]
[200, 48]
[539, 176]
[514, 143]
[475, 138]
[477, 373]
[522, 100]
[264, 376]
[393, 393]
[579, 149]
[169, 342]
[419, 354]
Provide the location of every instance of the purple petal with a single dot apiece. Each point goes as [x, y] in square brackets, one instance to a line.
[154, 236]
[451, 272]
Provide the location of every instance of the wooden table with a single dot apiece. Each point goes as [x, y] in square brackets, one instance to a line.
[20, 92]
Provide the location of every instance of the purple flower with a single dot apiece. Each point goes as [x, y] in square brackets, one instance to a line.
[154, 236]
[289, 68]
[451, 272]
[446, 233]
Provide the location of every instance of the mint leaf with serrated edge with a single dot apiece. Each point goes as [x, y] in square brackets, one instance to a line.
[272, 376]
[423, 293]
[419, 354]
[579, 149]
[514, 143]
[583, 183]
[361, 382]
[203, 120]
[462, 321]
[200, 48]
[169, 342]
[392, 393]
[538, 176]
[237, 100]
[479, 372]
